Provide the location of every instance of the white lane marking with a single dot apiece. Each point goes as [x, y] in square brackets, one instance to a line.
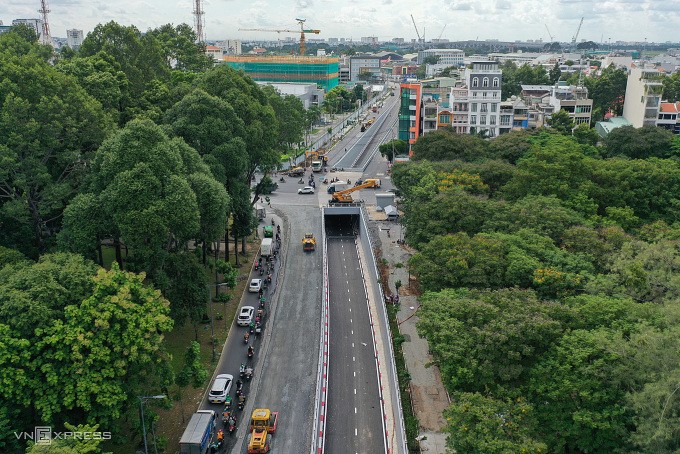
[352, 343]
[352, 335]
[350, 309]
[353, 358]
[355, 391]
[355, 431]
[350, 320]
[355, 410]
[364, 344]
[355, 373]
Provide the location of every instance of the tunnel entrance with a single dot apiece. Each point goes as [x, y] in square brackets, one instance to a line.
[341, 225]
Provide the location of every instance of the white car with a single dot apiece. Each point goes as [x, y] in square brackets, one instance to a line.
[220, 388]
[245, 316]
[255, 285]
[306, 190]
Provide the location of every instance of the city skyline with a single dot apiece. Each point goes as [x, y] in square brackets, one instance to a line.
[505, 20]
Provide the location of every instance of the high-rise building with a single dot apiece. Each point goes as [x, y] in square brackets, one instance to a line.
[230, 46]
[409, 112]
[322, 71]
[643, 97]
[363, 64]
[447, 57]
[483, 82]
[74, 38]
[36, 24]
[370, 40]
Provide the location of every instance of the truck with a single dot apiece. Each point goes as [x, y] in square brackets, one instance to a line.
[266, 247]
[199, 432]
[344, 195]
[296, 172]
[317, 166]
[337, 186]
[262, 424]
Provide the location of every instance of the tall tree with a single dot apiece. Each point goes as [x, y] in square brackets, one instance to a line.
[49, 130]
[561, 122]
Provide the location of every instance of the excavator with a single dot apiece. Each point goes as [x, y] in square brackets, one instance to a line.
[263, 423]
[345, 197]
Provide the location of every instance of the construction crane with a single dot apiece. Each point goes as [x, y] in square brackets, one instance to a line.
[420, 40]
[302, 32]
[573, 40]
[440, 35]
[549, 34]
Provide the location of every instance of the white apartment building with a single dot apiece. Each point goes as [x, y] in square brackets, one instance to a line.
[643, 97]
[36, 24]
[484, 88]
[363, 64]
[447, 57]
[574, 100]
[230, 46]
[371, 40]
[74, 38]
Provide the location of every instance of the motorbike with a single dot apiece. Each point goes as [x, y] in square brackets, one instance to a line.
[261, 271]
[257, 266]
[216, 446]
[242, 370]
[262, 302]
[282, 180]
[242, 401]
[301, 181]
[251, 351]
[249, 373]
[246, 337]
[232, 425]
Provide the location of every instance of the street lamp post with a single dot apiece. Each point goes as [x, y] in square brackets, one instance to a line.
[212, 323]
[141, 410]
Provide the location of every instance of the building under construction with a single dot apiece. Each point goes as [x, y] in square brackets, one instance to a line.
[322, 71]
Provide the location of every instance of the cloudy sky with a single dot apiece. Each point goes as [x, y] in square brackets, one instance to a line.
[626, 20]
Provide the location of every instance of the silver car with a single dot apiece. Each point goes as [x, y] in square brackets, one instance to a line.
[220, 388]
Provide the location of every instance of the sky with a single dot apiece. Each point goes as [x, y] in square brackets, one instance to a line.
[615, 20]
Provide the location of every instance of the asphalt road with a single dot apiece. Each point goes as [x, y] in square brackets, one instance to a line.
[289, 357]
[354, 419]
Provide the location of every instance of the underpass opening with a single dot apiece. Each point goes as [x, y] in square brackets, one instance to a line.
[341, 224]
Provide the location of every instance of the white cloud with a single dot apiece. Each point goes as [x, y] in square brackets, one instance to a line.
[658, 20]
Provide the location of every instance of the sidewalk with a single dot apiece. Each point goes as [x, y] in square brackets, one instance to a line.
[427, 390]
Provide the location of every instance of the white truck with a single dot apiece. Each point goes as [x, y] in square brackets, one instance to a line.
[317, 166]
[337, 186]
[199, 432]
[266, 247]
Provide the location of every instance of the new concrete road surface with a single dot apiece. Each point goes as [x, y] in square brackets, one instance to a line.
[354, 417]
[288, 358]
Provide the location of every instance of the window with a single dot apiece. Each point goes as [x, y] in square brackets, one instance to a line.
[496, 82]
[482, 120]
[483, 107]
[475, 82]
[495, 94]
[474, 94]
[483, 94]
[492, 120]
[473, 107]
[485, 82]
[494, 107]
[445, 119]
[473, 119]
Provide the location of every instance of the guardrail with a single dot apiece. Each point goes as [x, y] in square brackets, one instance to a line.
[400, 430]
[319, 424]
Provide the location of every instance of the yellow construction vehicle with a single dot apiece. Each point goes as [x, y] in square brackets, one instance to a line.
[308, 242]
[296, 172]
[345, 197]
[262, 423]
[319, 155]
